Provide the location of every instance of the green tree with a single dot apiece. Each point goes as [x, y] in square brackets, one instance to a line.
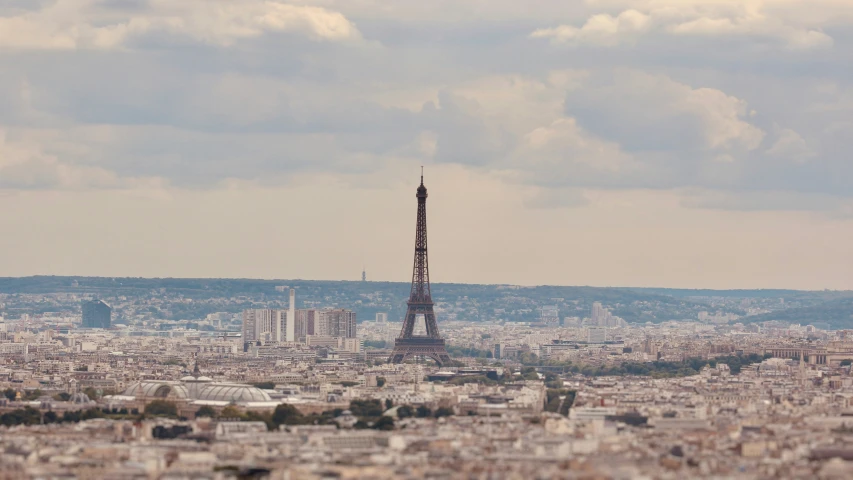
[423, 411]
[62, 396]
[444, 412]
[205, 411]
[380, 382]
[405, 411]
[286, 414]
[161, 408]
[389, 404]
[360, 425]
[21, 416]
[231, 411]
[366, 408]
[33, 394]
[10, 394]
[265, 385]
[384, 423]
[260, 417]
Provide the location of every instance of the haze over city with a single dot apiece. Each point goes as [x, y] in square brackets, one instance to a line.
[680, 144]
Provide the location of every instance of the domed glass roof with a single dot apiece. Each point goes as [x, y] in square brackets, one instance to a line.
[159, 389]
[232, 392]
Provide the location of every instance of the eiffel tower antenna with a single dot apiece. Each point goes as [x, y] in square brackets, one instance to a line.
[420, 301]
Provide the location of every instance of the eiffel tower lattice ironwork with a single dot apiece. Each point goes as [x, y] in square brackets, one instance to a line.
[407, 343]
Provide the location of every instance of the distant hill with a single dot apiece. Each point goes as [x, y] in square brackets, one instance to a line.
[837, 313]
[166, 298]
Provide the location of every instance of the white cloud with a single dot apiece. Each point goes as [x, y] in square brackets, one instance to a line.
[643, 111]
[79, 24]
[790, 145]
[723, 116]
[549, 149]
[602, 29]
[25, 165]
[712, 18]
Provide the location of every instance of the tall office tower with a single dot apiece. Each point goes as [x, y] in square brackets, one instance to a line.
[97, 314]
[381, 318]
[280, 322]
[291, 317]
[597, 315]
[305, 324]
[261, 324]
[337, 322]
[363, 275]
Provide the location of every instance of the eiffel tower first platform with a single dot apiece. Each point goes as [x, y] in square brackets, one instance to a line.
[420, 302]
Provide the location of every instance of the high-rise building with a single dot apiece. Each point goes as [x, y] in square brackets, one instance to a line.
[597, 335]
[336, 323]
[601, 317]
[97, 314]
[381, 318]
[289, 328]
[550, 315]
[262, 324]
[598, 314]
[305, 323]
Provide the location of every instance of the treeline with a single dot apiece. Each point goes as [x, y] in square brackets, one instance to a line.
[32, 416]
[835, 313]
[369, 415]
[456, 351]
[661, 369]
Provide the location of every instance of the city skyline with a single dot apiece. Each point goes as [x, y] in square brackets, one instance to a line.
[640, 218]
[674, 144]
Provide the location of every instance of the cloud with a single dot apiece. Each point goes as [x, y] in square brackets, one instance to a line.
[79, 24]
[202, 93]
[602, 29]
[641, 111]
[790, 145]
[25, 166]
[690, 18]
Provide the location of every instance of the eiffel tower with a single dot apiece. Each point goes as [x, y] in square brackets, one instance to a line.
[420, 302]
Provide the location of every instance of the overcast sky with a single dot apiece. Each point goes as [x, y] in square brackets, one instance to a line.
[679, 143]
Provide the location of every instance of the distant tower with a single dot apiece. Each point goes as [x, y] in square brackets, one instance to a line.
[291, 318]
[363, 274]
[420, 301]
[96, 314]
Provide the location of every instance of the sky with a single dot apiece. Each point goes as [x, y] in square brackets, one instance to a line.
[666, 143]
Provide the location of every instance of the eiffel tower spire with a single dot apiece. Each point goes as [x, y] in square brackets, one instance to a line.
[420, 300]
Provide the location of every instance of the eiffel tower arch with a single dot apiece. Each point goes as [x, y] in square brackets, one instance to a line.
[420, 302]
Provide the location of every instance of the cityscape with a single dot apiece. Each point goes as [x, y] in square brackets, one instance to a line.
[295, 392]
[473, 240]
